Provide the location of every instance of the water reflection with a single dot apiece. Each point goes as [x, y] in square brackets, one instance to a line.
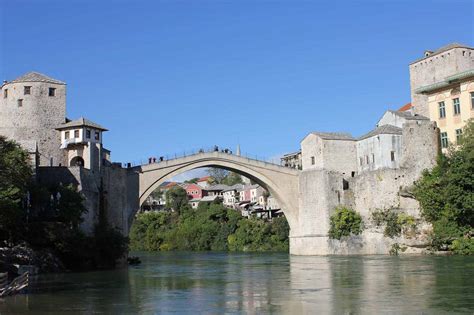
[258, 283]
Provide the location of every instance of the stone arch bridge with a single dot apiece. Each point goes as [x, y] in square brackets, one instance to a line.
[280, 181]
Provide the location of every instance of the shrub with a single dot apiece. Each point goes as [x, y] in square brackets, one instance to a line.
[344, 222]
[394, 223]
[463, 246]
[446, 195]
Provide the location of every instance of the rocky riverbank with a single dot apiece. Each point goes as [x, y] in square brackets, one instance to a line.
[13, 259]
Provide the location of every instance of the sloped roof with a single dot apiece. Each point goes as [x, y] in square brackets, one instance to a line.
[408, 115]
[405, 107]
[333, 135]
[81, 122]
[234, 187]
[217, 187]
[36, 77]
[384, 129]
[203, 179]
[443, 49]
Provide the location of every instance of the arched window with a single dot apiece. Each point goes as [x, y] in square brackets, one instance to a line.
[77, 161]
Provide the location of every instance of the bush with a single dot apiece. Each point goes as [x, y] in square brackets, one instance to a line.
[344, 222]
[394, 223]
[463, 246]
[446, 195]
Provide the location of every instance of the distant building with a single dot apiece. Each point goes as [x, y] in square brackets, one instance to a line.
[204, 181]
[292, 160]
[194, 191]
[216, 190]
[231, 195]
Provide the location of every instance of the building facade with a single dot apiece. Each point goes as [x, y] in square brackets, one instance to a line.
[292, 160]
[442, 89]
[81, 140]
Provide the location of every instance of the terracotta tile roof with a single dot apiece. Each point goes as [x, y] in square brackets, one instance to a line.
[203, 179]
[405, 107]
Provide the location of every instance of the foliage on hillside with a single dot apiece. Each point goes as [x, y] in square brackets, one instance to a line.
[446, 196]
[210, 227]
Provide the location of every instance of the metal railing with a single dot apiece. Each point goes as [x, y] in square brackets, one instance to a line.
[187, 153]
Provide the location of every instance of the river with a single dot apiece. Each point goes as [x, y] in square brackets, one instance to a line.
[217, 283]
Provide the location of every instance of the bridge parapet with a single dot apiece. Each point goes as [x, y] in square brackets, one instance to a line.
[211, 156]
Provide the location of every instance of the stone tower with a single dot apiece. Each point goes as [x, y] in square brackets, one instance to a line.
[31, 107]
[433, 68]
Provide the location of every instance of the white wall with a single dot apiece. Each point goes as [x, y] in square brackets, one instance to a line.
[378, 147]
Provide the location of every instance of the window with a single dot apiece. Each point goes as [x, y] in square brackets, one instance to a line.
[52, 92]
[76, 133]
[444, 139]
[373, 158]
[392, 156]
[27, 90]
[361, 161]
[458, 135]
[442, 110]
[457, 106]
[367, 159]
[472, 100]
[88, 134]
[66, 135]
[97, 135]
[312, 160]
[5, 93]
[20, 102]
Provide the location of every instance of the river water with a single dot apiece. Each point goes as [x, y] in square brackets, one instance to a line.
[217, 283]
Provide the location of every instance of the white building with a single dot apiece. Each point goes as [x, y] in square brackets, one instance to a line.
[82, 141]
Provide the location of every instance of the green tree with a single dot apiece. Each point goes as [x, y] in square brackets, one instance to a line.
[15, 178]
[176, 198]
[446, 194]
[232, 179]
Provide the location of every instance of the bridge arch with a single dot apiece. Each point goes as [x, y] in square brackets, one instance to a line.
[281, 182]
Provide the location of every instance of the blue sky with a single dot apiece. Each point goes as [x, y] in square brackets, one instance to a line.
[169, 76]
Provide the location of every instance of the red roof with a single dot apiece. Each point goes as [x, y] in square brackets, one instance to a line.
[171, 184]
[405, 107]
[203, 179]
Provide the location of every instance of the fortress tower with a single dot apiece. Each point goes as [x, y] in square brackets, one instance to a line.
[31, 108]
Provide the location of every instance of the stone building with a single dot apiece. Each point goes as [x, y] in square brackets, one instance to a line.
[81, 139]
[441, 76]
[366, 174]
[31, 107]
[331, 151]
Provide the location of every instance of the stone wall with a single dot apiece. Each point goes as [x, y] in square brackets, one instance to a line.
[88, 185]
[36, 118]
[378, 150]
[331, 155]
[321, 191]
